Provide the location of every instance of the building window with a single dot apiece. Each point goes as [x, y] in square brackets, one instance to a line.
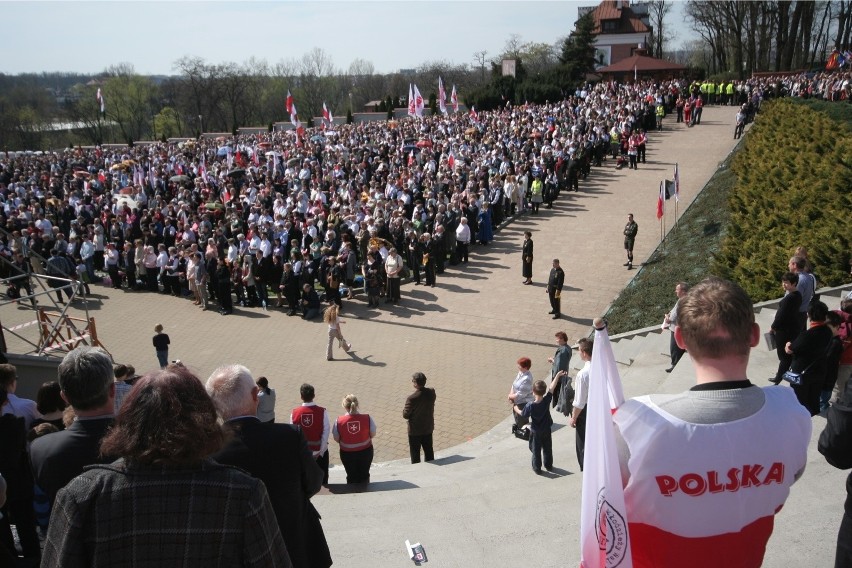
[609, 26]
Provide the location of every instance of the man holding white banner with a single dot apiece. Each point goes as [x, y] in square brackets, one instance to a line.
[705, 471]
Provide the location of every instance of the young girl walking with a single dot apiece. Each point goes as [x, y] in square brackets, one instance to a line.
[331, 316]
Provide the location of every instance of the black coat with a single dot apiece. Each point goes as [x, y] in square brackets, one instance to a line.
[278, 455]
[61, 456]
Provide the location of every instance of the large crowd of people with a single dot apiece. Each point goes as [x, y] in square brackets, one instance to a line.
[242, 218]
[259, 218]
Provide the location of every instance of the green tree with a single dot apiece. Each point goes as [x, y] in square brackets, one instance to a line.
[578, 50]
[349, 118]
[167, 124]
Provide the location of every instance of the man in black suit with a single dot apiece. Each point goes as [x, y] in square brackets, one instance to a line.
[87, 382]
[554, 288]
[278, 455]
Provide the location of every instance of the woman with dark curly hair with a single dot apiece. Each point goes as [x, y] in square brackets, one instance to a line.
[164, 502]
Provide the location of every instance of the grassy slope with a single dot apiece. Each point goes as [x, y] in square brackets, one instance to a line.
[688, 250]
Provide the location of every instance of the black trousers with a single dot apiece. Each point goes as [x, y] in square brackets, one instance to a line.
[357, 465]
[322, 461]
[555, 303]
[675, 351]
[422, 441]
[580, 437]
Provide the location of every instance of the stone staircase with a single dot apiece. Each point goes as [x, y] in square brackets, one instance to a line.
[479, 504]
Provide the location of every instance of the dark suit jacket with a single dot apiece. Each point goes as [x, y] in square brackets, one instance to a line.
[60, 457]
[556, 280]
[278, 455]
[420, 412]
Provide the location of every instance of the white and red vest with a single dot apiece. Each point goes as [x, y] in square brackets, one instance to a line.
[311, 420]
[706, 495]
[354, 431]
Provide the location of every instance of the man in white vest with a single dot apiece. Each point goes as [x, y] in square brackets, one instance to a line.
[705, 471]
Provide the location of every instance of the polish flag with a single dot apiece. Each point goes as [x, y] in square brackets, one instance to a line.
[454, 99]
[326, 114]
[411, 107]
[418, 102]
[442, 97]
[411, 158]
[451, 161]
[202, 169]
[289, 103]
[604, 538]
[255, 157]
[677, 183]
[661, 202]
[100, 99]
[178, 169]
[473, 115]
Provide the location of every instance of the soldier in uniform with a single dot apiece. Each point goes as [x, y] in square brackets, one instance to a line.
[630, 231]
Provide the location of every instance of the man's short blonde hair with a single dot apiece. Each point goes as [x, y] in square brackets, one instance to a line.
[716, 319]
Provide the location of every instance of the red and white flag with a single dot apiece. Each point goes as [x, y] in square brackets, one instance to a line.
[178, 169]
[411, 158]
[202, 169]
[100, 99]
[661, 201]
[255, 156]
[473, 115]
[418, 102]
[230, 159]
[454, 99]
[326, 115]
[442, 97]
[289, 103]
[604, 537]
[451, 161]
[411, 108]
[294, 116]
[677, 183]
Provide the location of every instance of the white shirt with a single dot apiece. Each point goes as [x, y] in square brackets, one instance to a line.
[463, 233]
[581, 386]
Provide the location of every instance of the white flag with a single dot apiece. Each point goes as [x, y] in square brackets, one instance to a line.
[418, 102]
[604, 538]
[411, 108]
[442, 97]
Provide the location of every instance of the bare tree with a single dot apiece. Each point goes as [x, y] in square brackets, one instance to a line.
[658, 10]
[481, 59]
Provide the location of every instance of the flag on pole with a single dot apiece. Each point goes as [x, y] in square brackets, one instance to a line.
[661, 202]
[473, 115]
[230, 159]
[255, 156]
[151, 179]
[289, 103]
[604, 537]
[100, 99]
[635, 74]
[442, 97]
[454, 99]
[326, 114]
[677, 184]
[411, 158]
[418, 102]
[411, 109]
[451, 161]
[202, 169]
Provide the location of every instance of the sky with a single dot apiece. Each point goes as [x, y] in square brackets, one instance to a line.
[88, 37]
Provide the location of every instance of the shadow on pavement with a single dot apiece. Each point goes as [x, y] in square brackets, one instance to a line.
[390, 485]
[449, 460]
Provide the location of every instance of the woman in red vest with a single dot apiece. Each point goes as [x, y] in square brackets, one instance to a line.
[354, 432]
